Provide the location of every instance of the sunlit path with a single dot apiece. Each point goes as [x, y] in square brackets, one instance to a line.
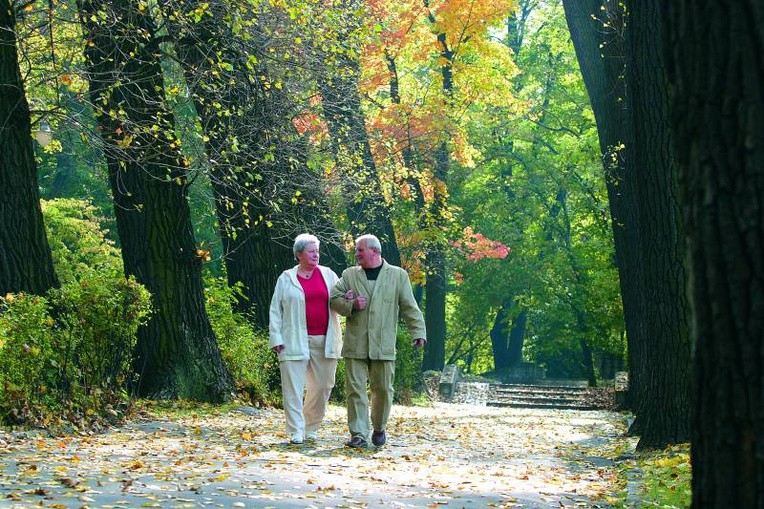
[439, 456]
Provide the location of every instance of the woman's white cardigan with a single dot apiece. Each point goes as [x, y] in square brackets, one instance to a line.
[288, 325]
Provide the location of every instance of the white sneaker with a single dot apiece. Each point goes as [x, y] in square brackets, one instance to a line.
[296, 439]
[312, 436]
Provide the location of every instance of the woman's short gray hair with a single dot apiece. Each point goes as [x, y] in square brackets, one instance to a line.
[372, 242]
[301, 241]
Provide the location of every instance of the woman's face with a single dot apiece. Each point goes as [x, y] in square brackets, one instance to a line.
[309, 256]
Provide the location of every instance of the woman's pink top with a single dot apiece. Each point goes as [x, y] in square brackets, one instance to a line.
[316, 303]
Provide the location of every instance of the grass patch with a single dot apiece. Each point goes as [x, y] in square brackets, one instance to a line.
[174, 409]
[666, 477]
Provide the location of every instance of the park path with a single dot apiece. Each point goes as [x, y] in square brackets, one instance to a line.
[442, 455]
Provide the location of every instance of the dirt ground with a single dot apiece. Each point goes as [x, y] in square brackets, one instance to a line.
[441, 455]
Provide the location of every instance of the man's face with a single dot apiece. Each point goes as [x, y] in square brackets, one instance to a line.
[365, 257]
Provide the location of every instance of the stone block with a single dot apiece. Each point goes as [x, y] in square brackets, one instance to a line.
[449, 379]
[621, 385]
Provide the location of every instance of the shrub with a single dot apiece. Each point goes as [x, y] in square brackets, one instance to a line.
[408, 375]
[27, 363]
[253, 366]
[67, 357]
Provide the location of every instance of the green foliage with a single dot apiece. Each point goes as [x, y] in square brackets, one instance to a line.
[339, 393]
[547, 202]
[78, 242]
[67, 357]
[408, 376]
[27, 370]
[253, 366]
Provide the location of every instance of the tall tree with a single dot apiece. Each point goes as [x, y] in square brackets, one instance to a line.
[26, 264]
[599, 45]
[714, 59]
[458, 30]
[648, 251]
[264, 192]
[177, 353]
[435, 285]
[338, 76]
[663, 400]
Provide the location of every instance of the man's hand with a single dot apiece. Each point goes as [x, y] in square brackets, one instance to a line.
[360, 302]
[419, 342]
[278, 348]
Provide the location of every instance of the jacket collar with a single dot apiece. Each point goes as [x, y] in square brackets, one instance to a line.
[364, 281]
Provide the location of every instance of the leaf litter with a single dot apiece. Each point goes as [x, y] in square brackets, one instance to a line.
[441, 455]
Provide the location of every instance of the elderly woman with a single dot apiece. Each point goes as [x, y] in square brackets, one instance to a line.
[305, 333]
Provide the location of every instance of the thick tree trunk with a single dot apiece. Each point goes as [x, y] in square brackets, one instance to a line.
[26, 264]
[664, 396]
[435, 262]
[435, 311]
[600, 55]
[714, 59]
[177, 353]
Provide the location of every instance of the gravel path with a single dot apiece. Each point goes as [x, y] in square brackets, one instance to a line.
[444, 455]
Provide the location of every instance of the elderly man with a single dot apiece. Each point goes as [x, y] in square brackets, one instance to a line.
[371, 295]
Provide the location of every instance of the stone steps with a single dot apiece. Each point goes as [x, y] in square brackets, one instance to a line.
[543, 396]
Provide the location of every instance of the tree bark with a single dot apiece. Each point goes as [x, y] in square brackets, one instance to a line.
[26, 264]
[663, 397]
[714, 60]
[177, 353]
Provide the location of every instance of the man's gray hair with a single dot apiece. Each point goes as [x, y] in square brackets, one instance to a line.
[302, 241]
[372, 242]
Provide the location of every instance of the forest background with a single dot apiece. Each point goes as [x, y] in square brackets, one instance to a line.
[519, 159]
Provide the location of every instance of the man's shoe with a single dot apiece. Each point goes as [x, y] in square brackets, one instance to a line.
[357, 443]
[312, 436]
[379, 438]
[296, 439]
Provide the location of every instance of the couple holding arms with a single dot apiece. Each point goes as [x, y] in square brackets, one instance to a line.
[304, 331]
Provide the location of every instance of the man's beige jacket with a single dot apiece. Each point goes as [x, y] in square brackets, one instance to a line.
[370, 333]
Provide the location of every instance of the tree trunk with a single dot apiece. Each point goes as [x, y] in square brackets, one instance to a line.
[508, 336]
[436, 287]
[177, 353]
[500, 336]
[601, 58]
[664, 395]
[714, 61]
[26, 264]
[517, 337]
[435, 310]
